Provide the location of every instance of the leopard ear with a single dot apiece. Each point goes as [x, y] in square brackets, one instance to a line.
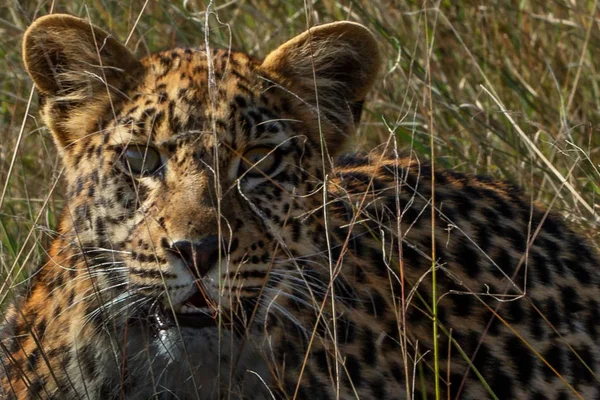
[339, 61]
[74, 65]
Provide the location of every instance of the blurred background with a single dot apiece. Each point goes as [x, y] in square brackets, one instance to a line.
[509, 89]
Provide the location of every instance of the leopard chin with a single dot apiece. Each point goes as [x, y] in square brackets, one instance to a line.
[190, 362]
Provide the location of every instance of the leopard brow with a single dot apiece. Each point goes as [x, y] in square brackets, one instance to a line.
[182, 136]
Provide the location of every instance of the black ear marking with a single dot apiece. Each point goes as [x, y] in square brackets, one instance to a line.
[356, 108]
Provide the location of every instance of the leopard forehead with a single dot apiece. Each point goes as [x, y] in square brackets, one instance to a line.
[177, 89]
[185, 93]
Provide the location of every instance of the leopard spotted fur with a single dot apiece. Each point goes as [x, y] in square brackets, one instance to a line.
[207, 178]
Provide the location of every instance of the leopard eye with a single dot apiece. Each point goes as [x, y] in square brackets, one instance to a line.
[141, 160]
[259, 161]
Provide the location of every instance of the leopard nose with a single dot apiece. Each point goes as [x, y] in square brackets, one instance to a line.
[198, 256]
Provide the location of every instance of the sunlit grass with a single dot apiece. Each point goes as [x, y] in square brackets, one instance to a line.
[506, 89]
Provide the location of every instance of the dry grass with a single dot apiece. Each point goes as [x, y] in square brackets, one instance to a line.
[509, 89]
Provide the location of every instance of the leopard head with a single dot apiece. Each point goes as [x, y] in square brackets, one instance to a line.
[195, 176]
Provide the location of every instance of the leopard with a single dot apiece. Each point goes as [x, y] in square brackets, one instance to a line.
[218, 241]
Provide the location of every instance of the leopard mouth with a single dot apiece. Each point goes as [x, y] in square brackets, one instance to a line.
[196, 312]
